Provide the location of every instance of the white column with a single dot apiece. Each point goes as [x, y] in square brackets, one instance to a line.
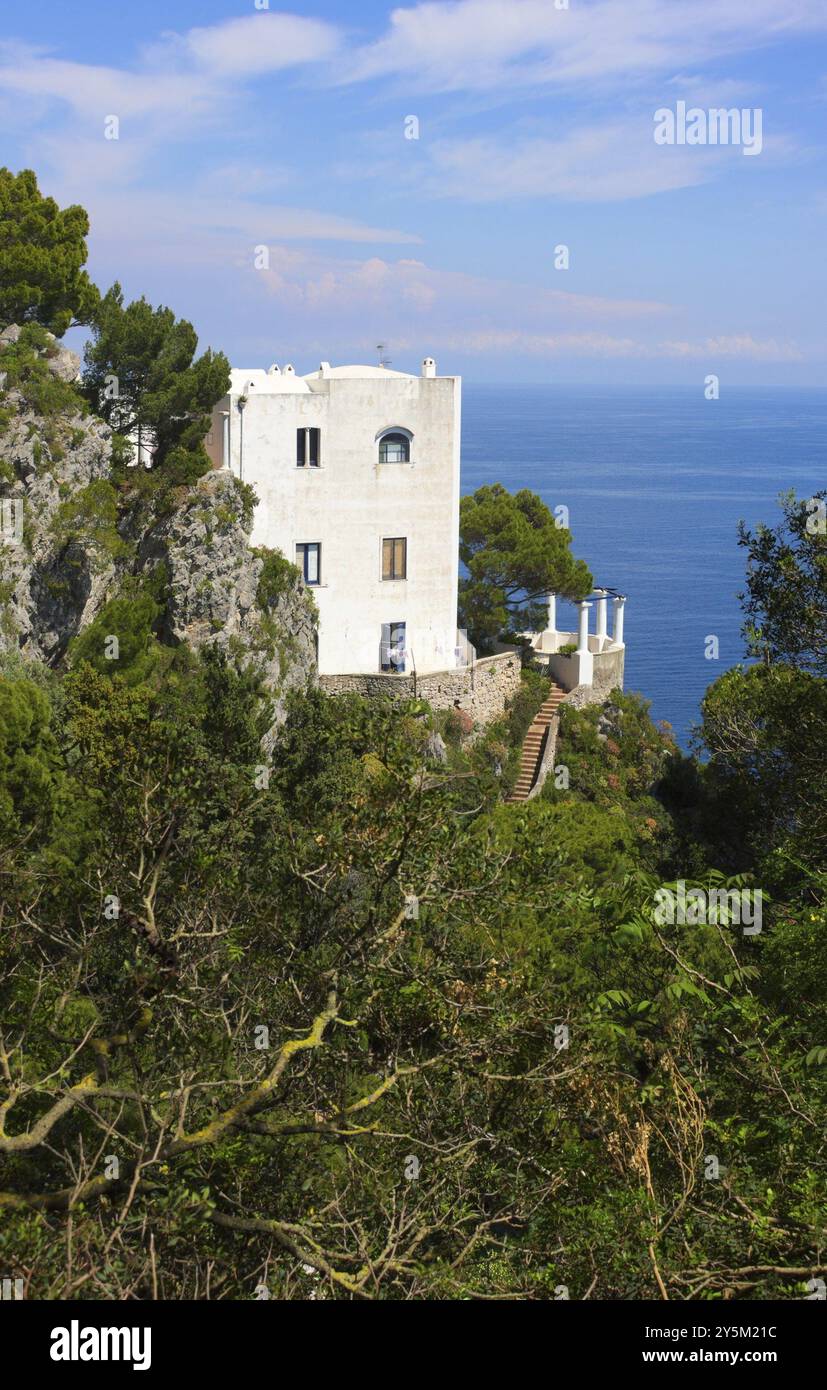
[620, 604]
[552, 613]
[225, 439]
[583, 632]
[242, 401]
[584, 661]
[601, 615]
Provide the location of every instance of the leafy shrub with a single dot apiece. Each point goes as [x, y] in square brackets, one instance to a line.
[278, 577]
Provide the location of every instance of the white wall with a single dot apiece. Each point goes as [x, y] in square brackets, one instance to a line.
[352, 502]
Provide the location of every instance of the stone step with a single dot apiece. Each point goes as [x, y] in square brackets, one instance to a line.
[533, 744]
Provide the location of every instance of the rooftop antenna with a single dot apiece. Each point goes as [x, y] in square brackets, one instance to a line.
[383, 360]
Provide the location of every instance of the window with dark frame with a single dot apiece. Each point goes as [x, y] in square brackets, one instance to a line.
[395, 558]
[309, 561]
[308, 442]
[394, 447]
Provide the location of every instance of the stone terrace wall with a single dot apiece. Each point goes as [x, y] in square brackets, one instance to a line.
[608, 674]
[481, 690]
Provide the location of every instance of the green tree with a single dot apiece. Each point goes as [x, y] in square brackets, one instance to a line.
[265, 1036]
[30, 773]
[130, 619]
[786, 599]
[42, 255]
[764, 730]
[515, 555]
[91, 516]
[210, 969]
[763, 726]
[141, 375]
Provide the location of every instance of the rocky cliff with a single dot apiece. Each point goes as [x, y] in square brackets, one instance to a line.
[73, 528]
[252, 604]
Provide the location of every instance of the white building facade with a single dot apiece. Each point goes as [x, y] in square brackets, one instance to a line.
[357, 474]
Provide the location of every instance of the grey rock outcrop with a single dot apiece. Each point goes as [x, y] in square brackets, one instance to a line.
[214, 592]
[55, 579]
[435, 748]
[48, 589]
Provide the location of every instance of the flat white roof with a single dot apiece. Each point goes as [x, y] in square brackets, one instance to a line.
[353, 372]
[254, 381]
[275, 381]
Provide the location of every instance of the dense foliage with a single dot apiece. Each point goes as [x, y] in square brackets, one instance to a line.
[142, 376]
[515, 554]
[348, 1025]
[342, 1022]
[42, 255]
[786, 600]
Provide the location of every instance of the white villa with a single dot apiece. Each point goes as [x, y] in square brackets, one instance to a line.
[357, 473]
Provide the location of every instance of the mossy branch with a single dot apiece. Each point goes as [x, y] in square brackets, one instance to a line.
[209, 1134]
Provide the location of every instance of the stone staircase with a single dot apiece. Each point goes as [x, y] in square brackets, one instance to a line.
[534, 744]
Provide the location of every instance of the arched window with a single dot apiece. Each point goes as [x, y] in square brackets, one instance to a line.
[395, 446]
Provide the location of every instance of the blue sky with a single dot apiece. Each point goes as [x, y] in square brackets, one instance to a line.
[242, 127]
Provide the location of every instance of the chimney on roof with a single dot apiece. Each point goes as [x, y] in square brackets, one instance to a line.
[428, 366]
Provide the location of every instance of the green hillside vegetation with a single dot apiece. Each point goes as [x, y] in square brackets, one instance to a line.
[342, 1021]
[399, 1041]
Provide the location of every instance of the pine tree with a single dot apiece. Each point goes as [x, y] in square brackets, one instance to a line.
[42, 254]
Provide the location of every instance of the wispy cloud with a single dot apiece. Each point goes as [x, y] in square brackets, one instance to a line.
[176, 71]
[415, 304]
[396, 286]
[735, 345]
[521, 103]
[95, 90]
[493, 43]
[251, 45]
[606, 345]
[607, 162]
[222, 235]
[181, 88]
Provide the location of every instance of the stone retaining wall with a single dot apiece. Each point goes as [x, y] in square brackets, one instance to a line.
[547, 760]
[608, 676]
[481, 690]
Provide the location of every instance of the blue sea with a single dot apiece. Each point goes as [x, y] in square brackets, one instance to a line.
[656, 481]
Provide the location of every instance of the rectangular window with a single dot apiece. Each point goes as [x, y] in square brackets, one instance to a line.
[308, 442]
[395, 558]
[393, 652]
[309, 561]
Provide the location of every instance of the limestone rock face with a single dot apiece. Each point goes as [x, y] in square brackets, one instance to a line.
[435, 748]
[48, 589]
[55, 577]
[214, 595]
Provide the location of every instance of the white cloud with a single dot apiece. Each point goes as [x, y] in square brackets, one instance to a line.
[605, 345]
[92, 90]
[407, 286]
[515, 342]
[481, 44]
[595, 163]
[324, 301]
[198, 230]
[259, 43]
[199, 235]
[735, 345]
[180, 76]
